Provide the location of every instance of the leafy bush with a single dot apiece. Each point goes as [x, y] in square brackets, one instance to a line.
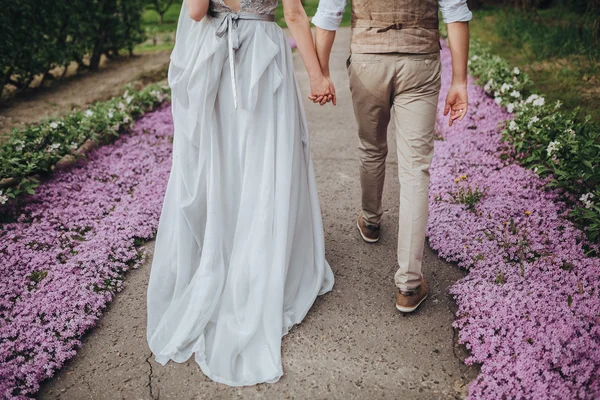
[565, 147]
[35, 149]
[562, 146]
[507, 85]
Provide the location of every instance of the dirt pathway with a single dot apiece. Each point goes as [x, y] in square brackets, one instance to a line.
[352, 345]
[78, 91]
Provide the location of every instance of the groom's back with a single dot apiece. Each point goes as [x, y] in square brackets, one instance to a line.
[395, 26]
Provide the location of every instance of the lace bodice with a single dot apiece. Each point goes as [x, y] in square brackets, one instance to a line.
[249, 6]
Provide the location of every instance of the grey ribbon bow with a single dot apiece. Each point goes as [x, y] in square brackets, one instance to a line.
[229, 24]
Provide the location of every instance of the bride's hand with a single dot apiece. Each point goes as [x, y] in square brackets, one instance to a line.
[321, 90]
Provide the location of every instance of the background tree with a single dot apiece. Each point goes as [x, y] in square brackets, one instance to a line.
[161, 7]
[474, 4]
[40, 36]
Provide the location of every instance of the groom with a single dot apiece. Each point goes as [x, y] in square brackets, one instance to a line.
[395, 65]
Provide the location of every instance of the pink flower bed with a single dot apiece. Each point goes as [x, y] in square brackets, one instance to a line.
[529, 310]
[63, 255]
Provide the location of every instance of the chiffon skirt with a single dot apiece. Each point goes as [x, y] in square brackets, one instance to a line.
[239, 255]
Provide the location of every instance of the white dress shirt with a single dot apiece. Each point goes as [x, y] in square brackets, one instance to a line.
[329, 13]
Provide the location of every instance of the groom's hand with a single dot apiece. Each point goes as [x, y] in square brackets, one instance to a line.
[457, 102]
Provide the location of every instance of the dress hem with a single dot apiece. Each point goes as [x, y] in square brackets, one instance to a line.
[206, 370]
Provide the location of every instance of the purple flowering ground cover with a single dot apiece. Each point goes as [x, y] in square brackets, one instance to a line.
[529, 309]
[64, 251]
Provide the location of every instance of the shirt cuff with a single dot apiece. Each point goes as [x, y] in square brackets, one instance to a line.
[328, 20]
[456, 13]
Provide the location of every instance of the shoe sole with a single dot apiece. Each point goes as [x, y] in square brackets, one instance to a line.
[366, 239]
[410, 309]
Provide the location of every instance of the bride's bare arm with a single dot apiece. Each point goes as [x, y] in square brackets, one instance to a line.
[297, 22]
[197, 9]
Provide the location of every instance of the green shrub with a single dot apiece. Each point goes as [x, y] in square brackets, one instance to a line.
[565, 148]
[561, 146]
[35, 149]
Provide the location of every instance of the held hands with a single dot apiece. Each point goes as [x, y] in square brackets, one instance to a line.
[457, 102]
[322, 90]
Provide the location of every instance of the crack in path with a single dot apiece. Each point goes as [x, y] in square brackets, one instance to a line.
[150, 379]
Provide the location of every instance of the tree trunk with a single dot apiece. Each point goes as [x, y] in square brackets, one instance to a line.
[22, 83]
[64, 73]
[99, 44]
[96, 56]
[47, 76]
[160, 18]
[5, 80]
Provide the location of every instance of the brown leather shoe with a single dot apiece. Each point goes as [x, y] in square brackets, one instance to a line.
[369, 233]
[407, 302]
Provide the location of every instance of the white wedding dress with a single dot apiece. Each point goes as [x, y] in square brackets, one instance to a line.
[239, 255]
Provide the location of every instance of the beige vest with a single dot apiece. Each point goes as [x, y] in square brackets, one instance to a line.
[395, 26]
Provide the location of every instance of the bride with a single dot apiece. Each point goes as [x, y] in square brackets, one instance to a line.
[239, 255]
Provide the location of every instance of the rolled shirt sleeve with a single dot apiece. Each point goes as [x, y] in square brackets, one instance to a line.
[329, 14]
[455, 11]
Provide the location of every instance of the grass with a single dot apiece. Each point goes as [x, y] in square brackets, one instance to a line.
[150, 48]
[563, 64]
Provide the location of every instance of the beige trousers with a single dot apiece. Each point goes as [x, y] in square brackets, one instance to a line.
[410, 85]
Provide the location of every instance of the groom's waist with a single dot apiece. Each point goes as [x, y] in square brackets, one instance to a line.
[384, 26]
[395, 26]
[416, 36]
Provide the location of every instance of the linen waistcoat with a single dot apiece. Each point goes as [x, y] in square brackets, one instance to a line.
[395, 26]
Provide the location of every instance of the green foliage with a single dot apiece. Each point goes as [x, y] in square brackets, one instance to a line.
[39, 36]
[561, 146]
[35, 149]
[466, 194]
[37, 276]
[160, 7]
[507, 85]
[552, 33]
[565, 148]
[572, 79]
[500, 278]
